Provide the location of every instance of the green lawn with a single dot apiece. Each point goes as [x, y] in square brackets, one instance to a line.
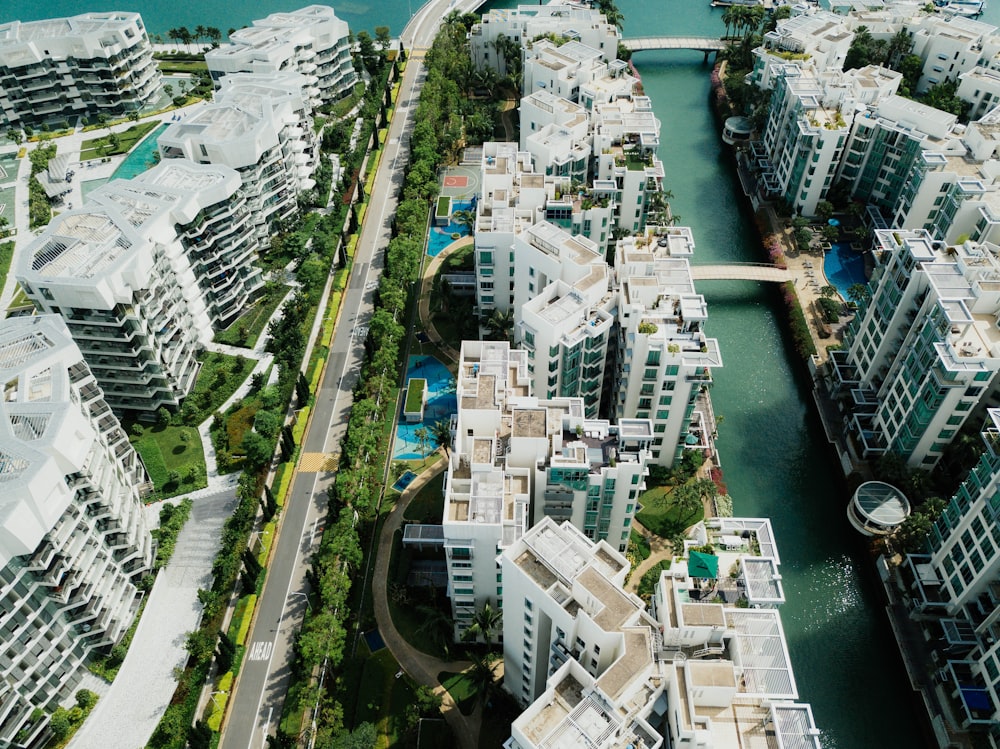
[6, 255]
[167, 65]
[98, 148]
[219, 377]
[428, 505]
[165, 452]
[461, 689]
[246, 329]
[414, 395]
[663, 515]
[383, 699]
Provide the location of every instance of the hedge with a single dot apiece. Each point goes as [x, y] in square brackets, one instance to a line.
[282, 482]
[797, 323]
[266, 539]
[217, 709]
[244, 610]
[300, 425]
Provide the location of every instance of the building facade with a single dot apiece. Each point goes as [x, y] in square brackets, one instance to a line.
[518, 458]
[143, 273]
[56, 70]
[73, 536]
[311, 41]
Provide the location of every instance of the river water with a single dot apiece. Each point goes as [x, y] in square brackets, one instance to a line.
[774, 457]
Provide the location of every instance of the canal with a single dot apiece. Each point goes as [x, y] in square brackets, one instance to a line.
[774, 456]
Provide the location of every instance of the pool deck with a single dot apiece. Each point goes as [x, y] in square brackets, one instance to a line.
[83, 172]
[807, 279]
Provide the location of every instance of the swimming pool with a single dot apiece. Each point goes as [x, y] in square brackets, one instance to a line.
[844, 267]
[441, 404]
[440, 236]
[140, 158]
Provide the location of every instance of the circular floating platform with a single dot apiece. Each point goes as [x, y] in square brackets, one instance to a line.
[737, 130]
[877, 508]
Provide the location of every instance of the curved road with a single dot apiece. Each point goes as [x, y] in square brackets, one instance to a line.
[259, 693]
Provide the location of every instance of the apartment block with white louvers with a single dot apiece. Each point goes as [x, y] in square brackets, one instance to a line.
[518, 458]
[922, 354]
[143, 273]
[84, 65]
[261, 127]
[73, 535]
[528, 22]
[664, 359]
[311, 41]
[707, 666]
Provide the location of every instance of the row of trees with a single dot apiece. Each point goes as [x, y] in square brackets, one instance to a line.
[182, 35]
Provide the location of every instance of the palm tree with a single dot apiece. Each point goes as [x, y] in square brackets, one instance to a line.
[200, 32]
[859, 292]
[500, 324]
[437, 626]
[423, 437]
[466, 219]
[828, 291]
[485, 622]
[727, 18]
[441, 432]
[482, 676]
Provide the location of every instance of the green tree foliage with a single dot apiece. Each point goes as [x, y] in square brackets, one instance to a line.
[912, 534]
[944, 96]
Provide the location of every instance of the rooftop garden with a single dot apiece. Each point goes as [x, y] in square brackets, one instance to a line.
[415, 395]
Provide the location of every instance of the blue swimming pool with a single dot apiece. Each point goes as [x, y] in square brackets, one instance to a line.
[140, 158]
[440, 236]
[843, 267]
[441, 404]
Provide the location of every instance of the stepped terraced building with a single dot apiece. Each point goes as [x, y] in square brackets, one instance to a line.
[144, 273]
[56, 70]
[311, 41]
[73, 536]
[706, 666]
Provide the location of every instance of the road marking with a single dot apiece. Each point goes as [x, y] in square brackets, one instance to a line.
[261, 650]
[361, 331]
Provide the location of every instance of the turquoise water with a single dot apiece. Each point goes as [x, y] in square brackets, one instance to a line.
[440, 237]
[774, 457]
[843, 267]
[140, 158]
[441, 404]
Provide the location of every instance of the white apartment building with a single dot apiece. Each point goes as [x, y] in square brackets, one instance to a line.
[517, 459]
[261, 127]
[311, 41]
[141, 274]
[85, 65]
[594, 668]
[626, 137]
[952, 589]
[923, 353]
[664, 360]
[949, 46]
[512, 192]
[73, 535]
[561, 69]
[527, 23]
[818, 41]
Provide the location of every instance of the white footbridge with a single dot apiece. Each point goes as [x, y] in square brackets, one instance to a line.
[740, 272]
[704, 44]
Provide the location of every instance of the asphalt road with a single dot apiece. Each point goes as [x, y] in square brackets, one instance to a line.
[264, 678]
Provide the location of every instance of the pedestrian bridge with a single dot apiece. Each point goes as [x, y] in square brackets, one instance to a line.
[704, 44]
[740, 272]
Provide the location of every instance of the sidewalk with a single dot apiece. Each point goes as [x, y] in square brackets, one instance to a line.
[424, 303]
[421, 667]
[126, 716]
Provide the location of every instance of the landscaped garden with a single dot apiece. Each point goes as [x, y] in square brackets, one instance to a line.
[115, 143]
[173, 458]
[246, 329]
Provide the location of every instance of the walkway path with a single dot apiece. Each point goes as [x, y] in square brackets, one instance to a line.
[127, 715]
[420, 666]
[424, 304]
[660, 549]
